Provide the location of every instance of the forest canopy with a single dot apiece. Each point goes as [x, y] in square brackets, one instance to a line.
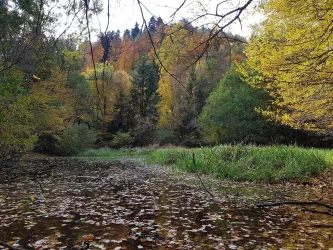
[178, 82]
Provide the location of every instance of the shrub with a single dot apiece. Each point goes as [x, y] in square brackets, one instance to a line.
[144, 132]
[122, 140]
[47, 143]
[165, 136]
[230, 114]
[76, 139]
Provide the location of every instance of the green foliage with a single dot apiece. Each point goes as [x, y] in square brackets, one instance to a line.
[247, 163]
[72, 60]
[76, 139]
[135, 31]
[17, 129]
[234, 162]
[145, 85]
[190, 108]
[121, 140]
[230, 114]
[144, 132]
[165, 136]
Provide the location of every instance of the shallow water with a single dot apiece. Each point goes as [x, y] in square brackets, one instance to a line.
[54, 203]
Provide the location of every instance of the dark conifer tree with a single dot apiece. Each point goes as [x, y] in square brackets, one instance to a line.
[135, 31]
[144, 94]
[127, 34]
[152, 25]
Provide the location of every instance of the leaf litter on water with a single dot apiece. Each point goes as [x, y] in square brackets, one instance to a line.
[130, 206]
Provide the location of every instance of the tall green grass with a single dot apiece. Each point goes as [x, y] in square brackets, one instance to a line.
[247, 163]
[233, 162]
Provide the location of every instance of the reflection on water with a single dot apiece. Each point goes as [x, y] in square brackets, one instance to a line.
[126, 206]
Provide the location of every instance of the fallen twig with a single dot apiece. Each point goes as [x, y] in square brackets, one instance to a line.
[200, 177]
[316, 211]
[302, 203]
[10, 246]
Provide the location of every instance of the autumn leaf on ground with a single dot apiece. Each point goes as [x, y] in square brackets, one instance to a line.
[88, 238]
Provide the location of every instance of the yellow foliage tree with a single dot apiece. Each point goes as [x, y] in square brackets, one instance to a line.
[107, 89]
[178, 50]
[51, 103]
[292, 52]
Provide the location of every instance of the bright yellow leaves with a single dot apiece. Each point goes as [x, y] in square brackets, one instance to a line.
[178, 50]
[292, 51]
[107, 89]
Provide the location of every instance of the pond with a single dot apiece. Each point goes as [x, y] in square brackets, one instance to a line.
[60, 203]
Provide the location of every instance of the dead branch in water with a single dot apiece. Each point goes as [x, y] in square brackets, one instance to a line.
[302, 203]
[200, 177]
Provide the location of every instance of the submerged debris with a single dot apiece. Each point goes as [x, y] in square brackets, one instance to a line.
[128, 206]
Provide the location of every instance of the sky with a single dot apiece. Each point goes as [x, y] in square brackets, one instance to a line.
[124, 13]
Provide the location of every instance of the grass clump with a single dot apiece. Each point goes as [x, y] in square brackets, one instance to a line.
[233, 162]
[247, 163]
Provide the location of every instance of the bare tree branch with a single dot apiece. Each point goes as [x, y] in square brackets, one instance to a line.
[86, 4]
[23, 51]
[174, 14]
[235, 14]
[154, 47]
[202, 183]
[106, 50]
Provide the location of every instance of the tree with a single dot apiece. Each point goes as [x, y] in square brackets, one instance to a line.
[135, 31]
[292, 53]
[127, 34]
[17, 127]
[145, 98]
[190, 110]
[152, 25]
[225, 13]
[51, 103]
[107, 90]
[176, 53]
[103, 97]
[145, 94]
[230, 114]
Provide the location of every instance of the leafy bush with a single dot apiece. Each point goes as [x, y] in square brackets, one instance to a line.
[144, 132]
[230, 114]
[76, 139]
[122, 140]
[165, 136]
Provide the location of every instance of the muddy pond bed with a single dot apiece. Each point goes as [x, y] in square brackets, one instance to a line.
[60, 203]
